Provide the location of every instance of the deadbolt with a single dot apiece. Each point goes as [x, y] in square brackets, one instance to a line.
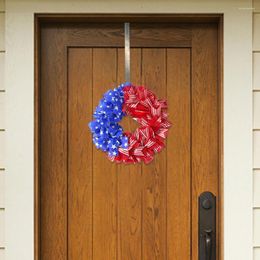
[206, 204]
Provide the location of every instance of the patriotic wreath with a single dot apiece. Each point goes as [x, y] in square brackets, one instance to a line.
[143, 106]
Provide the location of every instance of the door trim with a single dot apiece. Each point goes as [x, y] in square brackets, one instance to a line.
[182, 18]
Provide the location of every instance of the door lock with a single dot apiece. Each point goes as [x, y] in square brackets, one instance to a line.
[207, 226]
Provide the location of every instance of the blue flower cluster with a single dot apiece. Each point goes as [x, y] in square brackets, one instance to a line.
[108, 135]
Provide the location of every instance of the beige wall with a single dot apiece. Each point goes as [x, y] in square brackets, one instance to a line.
[2, 127]
[256, 127]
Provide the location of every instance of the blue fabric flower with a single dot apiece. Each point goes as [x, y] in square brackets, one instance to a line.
[108, 135]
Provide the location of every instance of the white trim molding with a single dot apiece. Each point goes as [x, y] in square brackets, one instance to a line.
[237, 94]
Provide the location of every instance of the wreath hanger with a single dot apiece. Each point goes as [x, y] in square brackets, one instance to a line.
[139, 103]
[127, 52]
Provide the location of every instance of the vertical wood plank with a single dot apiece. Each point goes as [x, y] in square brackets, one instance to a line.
[53, 146]
[154, 174]
[80, 154]
[104, 172]
[129, 179]
[178, 154]
[205, 136]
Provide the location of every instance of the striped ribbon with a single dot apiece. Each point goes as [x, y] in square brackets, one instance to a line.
[151, 113]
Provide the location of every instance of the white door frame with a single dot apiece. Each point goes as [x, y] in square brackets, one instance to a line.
[237, 94]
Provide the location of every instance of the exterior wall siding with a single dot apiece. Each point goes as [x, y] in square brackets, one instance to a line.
[256, 128]
[2, 128]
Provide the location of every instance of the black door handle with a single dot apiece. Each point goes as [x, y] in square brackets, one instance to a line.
[207, 226]
[208, 244]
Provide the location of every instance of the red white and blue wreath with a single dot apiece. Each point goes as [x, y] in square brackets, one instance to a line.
[143, 106]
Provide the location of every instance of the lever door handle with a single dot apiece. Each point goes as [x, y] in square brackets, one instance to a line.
[207, 226]
[208, 243]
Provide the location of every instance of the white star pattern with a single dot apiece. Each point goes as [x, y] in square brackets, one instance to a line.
[108, 135]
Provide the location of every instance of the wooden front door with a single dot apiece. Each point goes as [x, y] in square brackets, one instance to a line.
[90, 208]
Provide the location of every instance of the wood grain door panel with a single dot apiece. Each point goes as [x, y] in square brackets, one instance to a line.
[91, 208]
